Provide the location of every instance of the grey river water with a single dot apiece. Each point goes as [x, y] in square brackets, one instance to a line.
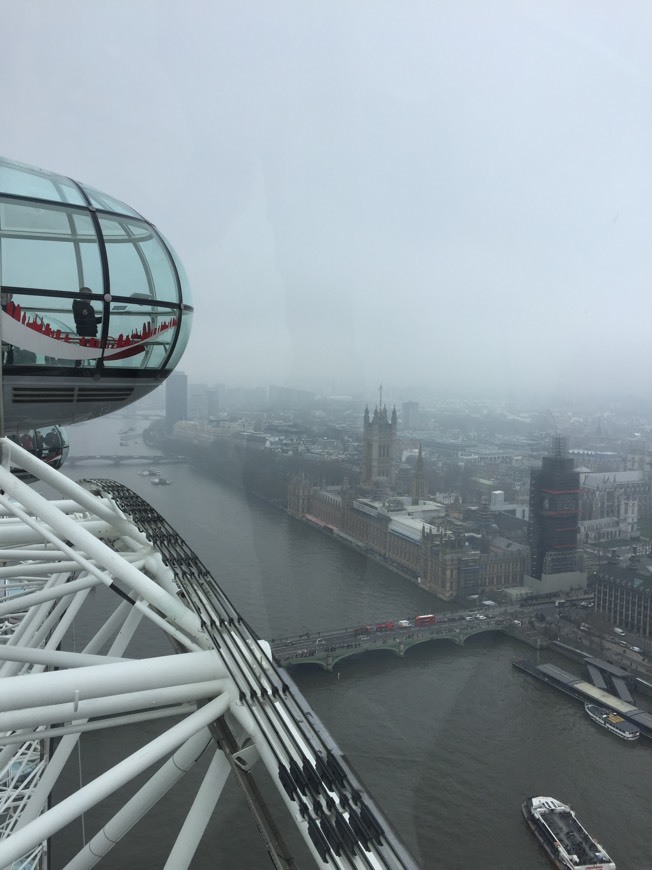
[449, 740]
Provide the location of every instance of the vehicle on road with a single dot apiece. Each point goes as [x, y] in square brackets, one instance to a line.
[425, 619]
[619, 631]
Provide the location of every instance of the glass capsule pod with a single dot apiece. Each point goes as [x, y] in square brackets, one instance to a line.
[49, 443]
[95, 309]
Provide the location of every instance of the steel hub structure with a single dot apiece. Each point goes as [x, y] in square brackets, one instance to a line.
[219, 689]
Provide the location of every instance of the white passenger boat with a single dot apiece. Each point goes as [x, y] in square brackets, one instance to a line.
[565, 839]
[612, 722]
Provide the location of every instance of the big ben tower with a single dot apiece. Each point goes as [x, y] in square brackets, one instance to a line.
[554, 511]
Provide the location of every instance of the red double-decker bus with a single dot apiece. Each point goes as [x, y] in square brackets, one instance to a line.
[425, 619]
[384, 626]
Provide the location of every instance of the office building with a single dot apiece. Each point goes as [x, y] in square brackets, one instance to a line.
[554, 516]
[176, 399]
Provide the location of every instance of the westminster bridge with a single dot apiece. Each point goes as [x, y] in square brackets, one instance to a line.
[119, 458]
[327, 648]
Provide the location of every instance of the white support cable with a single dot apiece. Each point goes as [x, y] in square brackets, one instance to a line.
[36, 554]
[181, 637]
[35, 690]
[125, 633]
[52, 657]
[68, 743]
[127, 626]
[48, 779]
[142, 585]
[7, 754]
[78, 728]
[66, 505]
[21, 602]
[58, 632]
[257, 702]
[74, 492]
[78, 707]
[144, 799]
[36, 626]
[49, 822]
[53, 628]
[18, 533]
[118, 620]
[35, 615]
[202, 809]
[35, 570]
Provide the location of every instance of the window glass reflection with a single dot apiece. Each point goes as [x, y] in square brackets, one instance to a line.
[26, 181]
[104, 202]
[141, 333]
[138, 262]
[46, 248]
[184, 335]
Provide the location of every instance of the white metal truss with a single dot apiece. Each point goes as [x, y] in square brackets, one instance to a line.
[220, 687]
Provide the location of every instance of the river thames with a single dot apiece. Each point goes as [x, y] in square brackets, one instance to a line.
[449, 740]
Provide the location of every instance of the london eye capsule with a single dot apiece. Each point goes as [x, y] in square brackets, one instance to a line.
[95, 309]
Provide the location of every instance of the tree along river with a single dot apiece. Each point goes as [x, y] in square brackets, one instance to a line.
[448, 739]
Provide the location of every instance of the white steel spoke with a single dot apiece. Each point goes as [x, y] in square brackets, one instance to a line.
[101, 543]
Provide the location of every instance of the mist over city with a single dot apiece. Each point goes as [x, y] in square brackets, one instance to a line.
[449, 197]
[326, 434]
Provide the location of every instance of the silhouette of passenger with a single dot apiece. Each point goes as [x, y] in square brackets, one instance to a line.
[85, 318]
[53, 444]
[27, 442]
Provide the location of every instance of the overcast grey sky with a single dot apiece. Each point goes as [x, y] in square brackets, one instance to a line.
[451, 193]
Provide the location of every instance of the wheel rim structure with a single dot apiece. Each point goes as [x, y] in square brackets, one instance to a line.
[224, 692]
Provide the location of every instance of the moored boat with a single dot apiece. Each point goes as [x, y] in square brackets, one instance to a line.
[566, 841]
[612, 722]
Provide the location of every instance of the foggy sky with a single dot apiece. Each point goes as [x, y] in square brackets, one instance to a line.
[445, 194]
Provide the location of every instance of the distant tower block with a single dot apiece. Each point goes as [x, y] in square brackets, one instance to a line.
[176, 399]
[410, 416]
[554, 513]
[419, 488]
[379, 447]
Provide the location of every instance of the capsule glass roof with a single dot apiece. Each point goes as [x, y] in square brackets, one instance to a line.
[57, 236]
